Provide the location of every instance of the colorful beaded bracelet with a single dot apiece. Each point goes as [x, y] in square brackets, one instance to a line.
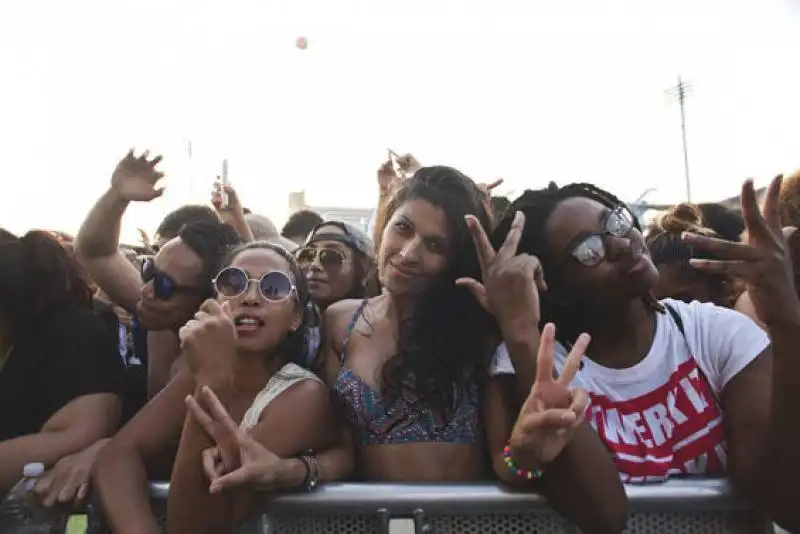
[526, 474]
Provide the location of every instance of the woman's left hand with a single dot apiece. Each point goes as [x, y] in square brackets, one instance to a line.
[552, 411]
[208, 342]
[763, 261]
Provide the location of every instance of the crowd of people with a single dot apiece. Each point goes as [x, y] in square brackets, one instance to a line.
[551, 343]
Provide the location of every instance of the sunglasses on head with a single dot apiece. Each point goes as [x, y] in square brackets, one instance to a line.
[330, 259]
[274, 286]
[590, 250]
[164, 287]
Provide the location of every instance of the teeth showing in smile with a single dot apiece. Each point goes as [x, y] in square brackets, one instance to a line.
[247, 321]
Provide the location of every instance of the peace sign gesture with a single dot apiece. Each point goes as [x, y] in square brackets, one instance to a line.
[552, 411]
[763, 261]
[237, 459]
[510, 281]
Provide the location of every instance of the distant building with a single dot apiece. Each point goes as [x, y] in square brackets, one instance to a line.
[358, 217]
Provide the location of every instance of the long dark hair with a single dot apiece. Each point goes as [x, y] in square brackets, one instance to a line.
[37, 278]
[442, 348]
[293, 349]
[538, 206]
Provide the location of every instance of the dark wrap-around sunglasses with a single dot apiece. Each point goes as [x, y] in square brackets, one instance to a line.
[164, 287]
[274, 286]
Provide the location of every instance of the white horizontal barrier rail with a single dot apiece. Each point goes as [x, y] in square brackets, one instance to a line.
[684, 506]
[678, 495]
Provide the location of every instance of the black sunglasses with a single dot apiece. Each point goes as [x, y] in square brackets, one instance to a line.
[274, 286]
[330, 259]
[590, 250]
[164, 287]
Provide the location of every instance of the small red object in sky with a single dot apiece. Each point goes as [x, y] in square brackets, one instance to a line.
[301, 43]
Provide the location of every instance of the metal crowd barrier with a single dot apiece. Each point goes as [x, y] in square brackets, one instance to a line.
[690, 506]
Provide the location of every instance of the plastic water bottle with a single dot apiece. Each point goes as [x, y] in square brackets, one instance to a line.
[20, 513]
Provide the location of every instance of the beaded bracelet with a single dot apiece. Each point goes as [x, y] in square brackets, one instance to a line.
[526, 474]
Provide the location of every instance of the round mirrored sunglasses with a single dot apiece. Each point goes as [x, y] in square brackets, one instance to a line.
[591, 250]
[274, 286]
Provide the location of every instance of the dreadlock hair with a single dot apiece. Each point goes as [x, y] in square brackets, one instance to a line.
[37, 278]
[294, 347]
[667, 247]
[538, 206]
[443, 347]
[211, 241]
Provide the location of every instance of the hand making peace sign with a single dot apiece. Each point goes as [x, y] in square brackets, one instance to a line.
[237, 459]
[511, 281]
[763, 261]
[552, 411]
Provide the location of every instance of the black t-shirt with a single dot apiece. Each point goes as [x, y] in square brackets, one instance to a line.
[67, 355]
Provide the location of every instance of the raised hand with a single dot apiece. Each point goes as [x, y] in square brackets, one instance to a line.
[487, 188]
[763, 261]
[511, 281]
[552, 411]
[408, 164]
[237, 459]
[208, 342]
[387, 177]
[135, 178]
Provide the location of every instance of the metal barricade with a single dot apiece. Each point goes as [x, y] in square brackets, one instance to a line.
[696, 506]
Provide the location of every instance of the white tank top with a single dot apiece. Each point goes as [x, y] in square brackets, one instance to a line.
[289, 375]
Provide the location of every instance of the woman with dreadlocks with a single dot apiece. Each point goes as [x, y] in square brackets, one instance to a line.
[676, 388]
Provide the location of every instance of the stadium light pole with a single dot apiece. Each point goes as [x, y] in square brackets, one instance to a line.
[679, 93]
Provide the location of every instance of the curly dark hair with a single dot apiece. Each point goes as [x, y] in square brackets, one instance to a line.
[538, 206]
[293, 349]
[37, 278]
[443, 347]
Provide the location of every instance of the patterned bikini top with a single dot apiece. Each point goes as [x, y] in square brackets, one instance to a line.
[377, 421]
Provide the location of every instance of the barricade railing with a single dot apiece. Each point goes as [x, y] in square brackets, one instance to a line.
[677, 507]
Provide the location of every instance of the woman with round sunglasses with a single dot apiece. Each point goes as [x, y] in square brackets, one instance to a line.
[677, 389]
[247, 347]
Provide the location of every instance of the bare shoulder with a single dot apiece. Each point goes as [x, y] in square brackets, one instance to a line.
[337, 317]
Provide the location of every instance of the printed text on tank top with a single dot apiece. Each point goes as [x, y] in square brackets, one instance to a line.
[403, 420]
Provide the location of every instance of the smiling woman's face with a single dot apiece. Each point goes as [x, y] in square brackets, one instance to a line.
[414, 247]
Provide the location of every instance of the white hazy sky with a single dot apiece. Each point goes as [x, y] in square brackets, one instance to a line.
[528, 90]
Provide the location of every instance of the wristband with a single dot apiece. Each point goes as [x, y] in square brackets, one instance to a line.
[525, 474]
[311, 480]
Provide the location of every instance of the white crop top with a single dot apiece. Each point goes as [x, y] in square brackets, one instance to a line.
[289, 375]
